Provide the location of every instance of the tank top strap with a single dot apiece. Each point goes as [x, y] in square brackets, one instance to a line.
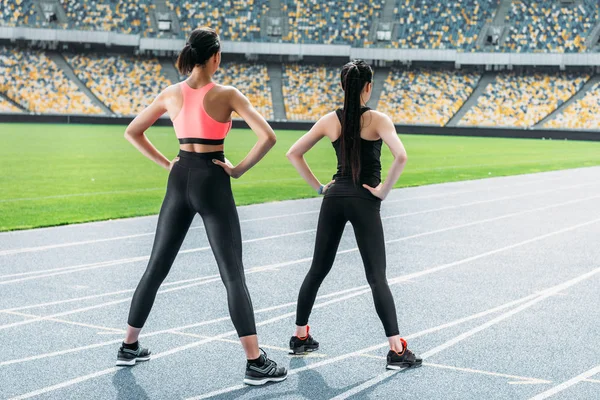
[339, 112]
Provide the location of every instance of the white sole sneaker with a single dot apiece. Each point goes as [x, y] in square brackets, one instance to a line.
[129, 363]
[259, 382]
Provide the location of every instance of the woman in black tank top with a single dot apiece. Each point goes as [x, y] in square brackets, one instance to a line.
[354, 195]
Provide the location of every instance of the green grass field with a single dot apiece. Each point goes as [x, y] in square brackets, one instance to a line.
[59, 174]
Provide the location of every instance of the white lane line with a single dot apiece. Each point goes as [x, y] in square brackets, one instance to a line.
[410, 276]
[232, 333]
[85, 267]
[237, 342]
[161, 355]
[204, 281]
[95, 296]
[92, 241]
[106, 330]
[592, 380]
[376, 347]
[195, 325]
[567, 384]
[444, 346]
[325, 362]
[520, 380]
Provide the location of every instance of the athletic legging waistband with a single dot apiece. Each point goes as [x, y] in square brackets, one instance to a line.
[191, 159]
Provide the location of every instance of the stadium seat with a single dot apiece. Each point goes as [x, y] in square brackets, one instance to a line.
[7, 107]
[125, 16]
[425, 96]
[437, 24]
[522, 99]
[235, 20]
[31, 79]
[542, 26]
[125, 84]
[18, 12]
[330, 22]
[256, 89]
[309, 92]
[582, 114]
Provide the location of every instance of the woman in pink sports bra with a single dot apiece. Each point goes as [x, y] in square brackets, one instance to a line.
[199, 182]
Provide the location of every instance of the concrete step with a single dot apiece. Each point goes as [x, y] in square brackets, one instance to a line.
[483, 83]
[168, 69]
[60, 61]
[577, 96]
[276, 81]
[13, 102]
[381, 74]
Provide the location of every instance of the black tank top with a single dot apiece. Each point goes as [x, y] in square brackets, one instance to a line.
[370, 168]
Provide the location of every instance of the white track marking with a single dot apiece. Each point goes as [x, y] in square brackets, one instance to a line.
[95, 296]
[409, 276]
[444, 346]
[565, 385]
[237, 342]
[84, 267]
[263, 310]
[105, 329]
[521, 380]
[92, 241]
[530, 301]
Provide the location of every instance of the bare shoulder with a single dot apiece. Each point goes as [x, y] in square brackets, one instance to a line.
[172, 89]
[379, 117]
[226, 90]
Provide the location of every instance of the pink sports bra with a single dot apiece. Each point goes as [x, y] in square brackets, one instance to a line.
[193, 124]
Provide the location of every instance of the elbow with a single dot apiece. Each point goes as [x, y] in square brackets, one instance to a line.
[271, 139]
[129, 135]
[292, 155]
[402, 158]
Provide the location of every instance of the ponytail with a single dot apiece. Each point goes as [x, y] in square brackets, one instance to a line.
[354, 76]
[202, 44]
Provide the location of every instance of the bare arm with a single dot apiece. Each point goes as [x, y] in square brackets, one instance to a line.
[387, 132]
[135, 132]
[262, 129]
[303, 145]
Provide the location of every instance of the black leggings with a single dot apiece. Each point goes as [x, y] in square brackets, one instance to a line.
[197, 185]
[364, 216]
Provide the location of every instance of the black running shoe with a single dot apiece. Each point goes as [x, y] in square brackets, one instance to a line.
[267, 372]
[128, 357]
[301, 346]
[406, 359]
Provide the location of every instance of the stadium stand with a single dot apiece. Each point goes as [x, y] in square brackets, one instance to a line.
[256, 89]
[7, 107]
[125, 16]
[125, 84]
[435, 24]
[583, 114]
[310, 92]
[330, 22]
[522, 99]
[541, 26]
[425, 96]
[34, 81]
[17, 12]
[235, 20]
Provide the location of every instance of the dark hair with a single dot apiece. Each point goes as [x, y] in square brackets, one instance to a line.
[355, 75]
[202, 44]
